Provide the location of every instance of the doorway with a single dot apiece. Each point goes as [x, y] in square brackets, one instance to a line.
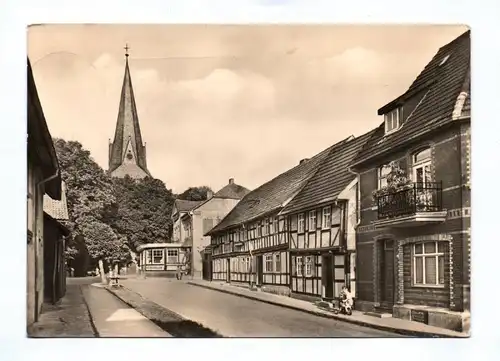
[260, 270]
[327, 276]
[228, 270]
[387, 275]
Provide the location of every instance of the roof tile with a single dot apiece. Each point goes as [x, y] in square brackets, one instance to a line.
[442, 84]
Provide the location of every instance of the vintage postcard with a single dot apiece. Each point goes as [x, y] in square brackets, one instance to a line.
[248, 180]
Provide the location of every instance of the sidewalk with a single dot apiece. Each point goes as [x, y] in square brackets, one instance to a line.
[113, 318]
[396, 325]
[70, 318]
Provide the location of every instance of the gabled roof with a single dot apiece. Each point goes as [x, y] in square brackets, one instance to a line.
[232, 191]
[185, 206]
[445, 83]
[331, 178]
[58, 210]
[273, 195]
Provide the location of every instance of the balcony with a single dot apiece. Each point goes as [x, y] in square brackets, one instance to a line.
[412, 205]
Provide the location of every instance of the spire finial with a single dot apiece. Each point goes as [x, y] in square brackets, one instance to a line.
[126, 50]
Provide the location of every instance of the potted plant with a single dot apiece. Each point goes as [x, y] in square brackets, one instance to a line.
[396, 181]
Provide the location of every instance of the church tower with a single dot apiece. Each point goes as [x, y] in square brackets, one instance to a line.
[127, 154]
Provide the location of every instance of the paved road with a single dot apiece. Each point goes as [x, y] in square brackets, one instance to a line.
[234, 316]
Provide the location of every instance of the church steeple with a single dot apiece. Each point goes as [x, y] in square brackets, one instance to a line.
[127, 154]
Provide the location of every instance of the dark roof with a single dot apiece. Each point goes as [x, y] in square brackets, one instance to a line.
[332, 177]
[272, 195]
[58, 210]
[41, 149]
[127, 128]
[442, 84]
[184, 205]
[232, 191]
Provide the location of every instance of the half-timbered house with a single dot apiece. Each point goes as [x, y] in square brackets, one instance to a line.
[321, 232]
[250, 245]
[413, 242]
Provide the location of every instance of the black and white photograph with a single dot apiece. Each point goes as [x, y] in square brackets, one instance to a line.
[248, 180]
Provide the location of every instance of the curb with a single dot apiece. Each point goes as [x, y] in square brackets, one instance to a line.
[159, 322]
[399, 331]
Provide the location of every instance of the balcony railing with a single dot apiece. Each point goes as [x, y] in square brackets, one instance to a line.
[416, 197]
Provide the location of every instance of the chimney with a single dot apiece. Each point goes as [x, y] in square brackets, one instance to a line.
[303, 160]
[210, 194]
[231, 180]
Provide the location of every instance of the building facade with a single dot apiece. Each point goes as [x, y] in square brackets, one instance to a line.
[413, 241]
[55, 235]
[192, 219]
[43, 178]
[322, 218]
[162, 259]
[294, 234]
[127, 153]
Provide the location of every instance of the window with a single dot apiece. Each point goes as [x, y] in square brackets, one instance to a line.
[312, 220]
[422, 166]
[275, 225]
[327, 214]
[262, 228]
[392, 120]
[277, 263]
[269, 263]
[428, 264]
[157, 256]
[309, 266]
[301, 223]
[172, 256]
[148, 256]
[382, 174]
[298, 266]
[271, 225]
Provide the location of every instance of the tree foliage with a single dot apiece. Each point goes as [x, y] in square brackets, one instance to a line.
[90, 198]
[195, 193]
[144, 210]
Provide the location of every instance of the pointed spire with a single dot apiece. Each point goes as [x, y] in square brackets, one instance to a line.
[127, 151]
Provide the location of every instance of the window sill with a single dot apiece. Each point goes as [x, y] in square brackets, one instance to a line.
[428, 286]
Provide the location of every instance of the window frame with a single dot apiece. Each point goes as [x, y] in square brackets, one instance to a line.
[153, 256]
[421, 164]
[390, 115]
[268, 263]
[311, 222]
[308, 266]
[436, 255]
[298, 266]
[381, 177]
[323, 214]
[301, 221]
[277, 263]
[169, 257]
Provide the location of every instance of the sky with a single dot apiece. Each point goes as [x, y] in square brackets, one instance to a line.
[226, 101]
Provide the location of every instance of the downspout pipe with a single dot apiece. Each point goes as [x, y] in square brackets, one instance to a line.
[358, 195]
[54, 176]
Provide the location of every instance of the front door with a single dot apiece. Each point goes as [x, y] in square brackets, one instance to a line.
[387, 275]
[260, 270]
[327, 276]
[228, 270]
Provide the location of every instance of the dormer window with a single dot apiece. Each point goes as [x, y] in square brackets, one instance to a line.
[392, 121]
[445, 59]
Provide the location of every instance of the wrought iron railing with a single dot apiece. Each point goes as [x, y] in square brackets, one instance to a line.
[410, 199]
